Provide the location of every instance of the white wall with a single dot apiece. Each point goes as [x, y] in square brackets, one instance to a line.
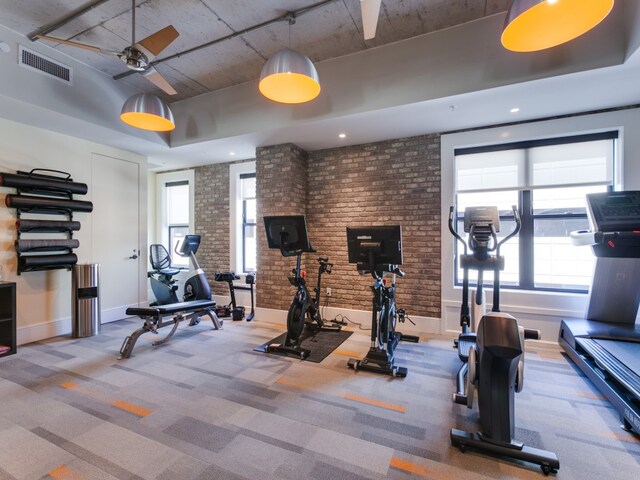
[541, 310]
[44, 298]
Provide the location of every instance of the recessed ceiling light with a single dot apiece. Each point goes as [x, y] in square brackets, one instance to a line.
[5, 47]
[515, 110]
[342, 135]
[232, 153]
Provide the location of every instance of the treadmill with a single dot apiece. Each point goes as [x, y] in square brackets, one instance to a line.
[606, 344]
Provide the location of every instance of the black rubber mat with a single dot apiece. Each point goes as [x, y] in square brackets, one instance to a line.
[321, 343]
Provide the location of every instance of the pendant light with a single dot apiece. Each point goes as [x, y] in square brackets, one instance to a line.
[289, 76]
[533, 25]
[147, 112]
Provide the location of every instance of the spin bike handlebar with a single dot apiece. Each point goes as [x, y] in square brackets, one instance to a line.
[294, 253]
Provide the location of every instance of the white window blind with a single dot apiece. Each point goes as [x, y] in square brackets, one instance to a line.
[570, 164]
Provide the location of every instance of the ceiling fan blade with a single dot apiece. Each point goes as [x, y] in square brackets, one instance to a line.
[158, 80]
[158, 41]
[370, 12]
[91, 48]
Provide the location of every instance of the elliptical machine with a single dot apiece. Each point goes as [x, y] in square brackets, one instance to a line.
[493, 358]
[163, 285]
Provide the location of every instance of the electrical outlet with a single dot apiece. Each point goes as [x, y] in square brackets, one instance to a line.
[328, 292]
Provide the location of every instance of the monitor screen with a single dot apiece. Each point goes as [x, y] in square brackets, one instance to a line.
[291, 228]
[190, 244]
[384, 241]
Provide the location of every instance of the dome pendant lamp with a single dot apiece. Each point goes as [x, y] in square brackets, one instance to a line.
[147, 112]
[533, 25]
[289, 76]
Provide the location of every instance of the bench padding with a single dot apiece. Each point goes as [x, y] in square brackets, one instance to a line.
[171, 308]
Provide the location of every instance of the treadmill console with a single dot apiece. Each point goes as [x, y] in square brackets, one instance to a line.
[614, 211]
[614, 218]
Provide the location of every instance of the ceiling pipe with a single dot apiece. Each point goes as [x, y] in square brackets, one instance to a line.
[286, 16]
[60, 23]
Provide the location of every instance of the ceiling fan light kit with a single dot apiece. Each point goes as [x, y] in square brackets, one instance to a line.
[289, 77]
[147, 112]
[533, 25]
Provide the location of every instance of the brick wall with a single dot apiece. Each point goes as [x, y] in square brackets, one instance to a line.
[395, 182]
[281, 189]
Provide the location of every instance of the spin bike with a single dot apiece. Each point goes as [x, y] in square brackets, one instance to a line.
[493, 357]
[304, 309]
[377, 244]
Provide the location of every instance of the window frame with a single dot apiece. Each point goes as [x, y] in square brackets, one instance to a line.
[526, 236]
[245, 224]
[236, 232]
[163, 181]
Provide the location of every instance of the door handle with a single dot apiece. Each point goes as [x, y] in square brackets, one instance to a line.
[135, 254]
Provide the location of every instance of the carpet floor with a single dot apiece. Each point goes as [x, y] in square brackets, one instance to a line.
[206, 406]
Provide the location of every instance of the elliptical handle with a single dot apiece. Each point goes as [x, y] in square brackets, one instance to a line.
[452, 210]
[516, 217]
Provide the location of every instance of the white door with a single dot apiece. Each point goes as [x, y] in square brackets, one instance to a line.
[115, 233]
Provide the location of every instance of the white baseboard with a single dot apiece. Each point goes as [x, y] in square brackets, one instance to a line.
[423, 325]
[62, 326]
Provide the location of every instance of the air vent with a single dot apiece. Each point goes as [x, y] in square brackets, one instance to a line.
[47, 66]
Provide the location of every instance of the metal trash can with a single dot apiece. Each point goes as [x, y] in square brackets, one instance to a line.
[85, 293]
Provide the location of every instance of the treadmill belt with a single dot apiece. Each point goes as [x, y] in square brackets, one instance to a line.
[627, 353]
[606, 361]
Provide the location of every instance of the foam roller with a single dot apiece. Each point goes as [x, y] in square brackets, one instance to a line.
[43, 203]
[43, 245]
[25, 225]
[46, 261]
[42, 183]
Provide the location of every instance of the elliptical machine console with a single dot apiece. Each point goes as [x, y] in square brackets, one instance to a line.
[493, 358]
[163, 285]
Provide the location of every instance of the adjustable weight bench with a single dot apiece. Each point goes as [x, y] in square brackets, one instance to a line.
[154, 318]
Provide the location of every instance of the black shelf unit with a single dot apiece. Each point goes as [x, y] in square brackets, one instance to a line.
[8, 317]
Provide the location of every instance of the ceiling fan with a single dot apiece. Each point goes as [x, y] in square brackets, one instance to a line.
[137, 56]
[370, 12]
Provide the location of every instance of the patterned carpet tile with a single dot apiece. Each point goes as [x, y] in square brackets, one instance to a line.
[206, 406]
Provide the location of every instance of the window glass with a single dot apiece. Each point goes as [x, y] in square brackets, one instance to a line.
[178, 204]
[249, 246]
[548, 184]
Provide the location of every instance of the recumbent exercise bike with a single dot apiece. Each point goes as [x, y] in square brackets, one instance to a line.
[164, 286]
[289, 235]
[378, 250]
[493, 358]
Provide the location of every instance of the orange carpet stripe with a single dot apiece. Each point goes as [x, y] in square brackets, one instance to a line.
[64, 472]
[69, 386]
[375, 403]
[289, 383]
[590, 395]
[347, 353]
[625, 437]
[131, 408]
[424, 339]
[419, 470]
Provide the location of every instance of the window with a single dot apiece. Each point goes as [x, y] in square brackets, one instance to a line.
[248, 195]
[177, 218]
[175, 203]
[243, 216]
[547, 180]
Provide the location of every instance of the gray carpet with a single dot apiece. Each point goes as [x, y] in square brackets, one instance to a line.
[206, 406]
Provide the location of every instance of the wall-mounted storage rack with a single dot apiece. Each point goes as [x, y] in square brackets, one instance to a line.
[46, 194]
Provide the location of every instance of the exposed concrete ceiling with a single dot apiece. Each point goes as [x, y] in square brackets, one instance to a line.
[446, 71]
[332, 30]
